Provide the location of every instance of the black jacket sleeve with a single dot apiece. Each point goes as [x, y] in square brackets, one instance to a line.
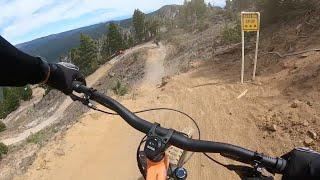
[302, 163]
[18, 68]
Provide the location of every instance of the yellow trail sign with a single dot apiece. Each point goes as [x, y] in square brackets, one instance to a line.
[250, 21]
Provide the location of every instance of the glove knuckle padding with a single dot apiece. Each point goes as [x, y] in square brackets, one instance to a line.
[302, 164]
[63, 75]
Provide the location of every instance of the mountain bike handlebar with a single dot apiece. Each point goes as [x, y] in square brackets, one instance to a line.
[276, 165]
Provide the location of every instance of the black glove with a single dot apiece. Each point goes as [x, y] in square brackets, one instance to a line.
[303, 164]
[62, 75]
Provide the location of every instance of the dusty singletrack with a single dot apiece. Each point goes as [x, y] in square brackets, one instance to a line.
[92, 79]
[103, 147]
[154, 66]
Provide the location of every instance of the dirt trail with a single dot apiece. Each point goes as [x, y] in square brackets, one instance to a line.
[92, 79]
[154, 66]
[103, 146]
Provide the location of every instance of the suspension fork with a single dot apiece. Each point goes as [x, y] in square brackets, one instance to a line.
[157, 159]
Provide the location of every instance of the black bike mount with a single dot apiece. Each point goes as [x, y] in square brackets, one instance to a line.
[156, 144]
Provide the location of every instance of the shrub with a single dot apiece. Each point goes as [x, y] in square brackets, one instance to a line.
[26, 93]
[3, 149]
[3, 113]
[231, 33]
[119, 89]
[275, 10]
[12, 97]
[203, 26]
[9, 104]
[135, 56]
[272, 10]
[158, 37]
[36, 138]
[46, 88]
[2, 126]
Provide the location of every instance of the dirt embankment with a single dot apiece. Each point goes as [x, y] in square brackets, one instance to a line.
[128, 71]
[288, 86]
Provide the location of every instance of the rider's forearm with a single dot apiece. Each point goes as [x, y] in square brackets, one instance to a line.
[18, 68]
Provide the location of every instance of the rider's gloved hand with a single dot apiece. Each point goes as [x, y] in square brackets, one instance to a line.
[303, 164]
[62, 75]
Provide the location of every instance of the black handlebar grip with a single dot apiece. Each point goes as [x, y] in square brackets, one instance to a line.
[281, 165]
[78, 87]
[275, 164]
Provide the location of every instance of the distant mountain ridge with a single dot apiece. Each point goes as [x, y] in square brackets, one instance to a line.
[53, 46]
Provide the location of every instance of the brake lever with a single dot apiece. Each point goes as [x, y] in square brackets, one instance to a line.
[255, 162]
[84, 100]
[248, 173]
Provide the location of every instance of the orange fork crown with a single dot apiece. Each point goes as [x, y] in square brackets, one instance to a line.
[157, 170]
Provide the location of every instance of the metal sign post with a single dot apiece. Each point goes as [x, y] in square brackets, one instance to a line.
[242, 62]
[250, 22]
[256, 57]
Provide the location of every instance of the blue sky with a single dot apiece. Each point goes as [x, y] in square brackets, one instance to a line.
[24, 20]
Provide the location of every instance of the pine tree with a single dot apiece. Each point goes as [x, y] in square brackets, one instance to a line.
[199, 8]
[279, 10]
[74, 55]
[193, 13]
[85, 57]
[98, 45]
[139, 25]
[228, 5]
[130, 41]
[12, 97]
[152, 27]
[105, 50]
[114, 38]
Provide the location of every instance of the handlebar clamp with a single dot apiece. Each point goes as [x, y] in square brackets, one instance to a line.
[156, 144]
